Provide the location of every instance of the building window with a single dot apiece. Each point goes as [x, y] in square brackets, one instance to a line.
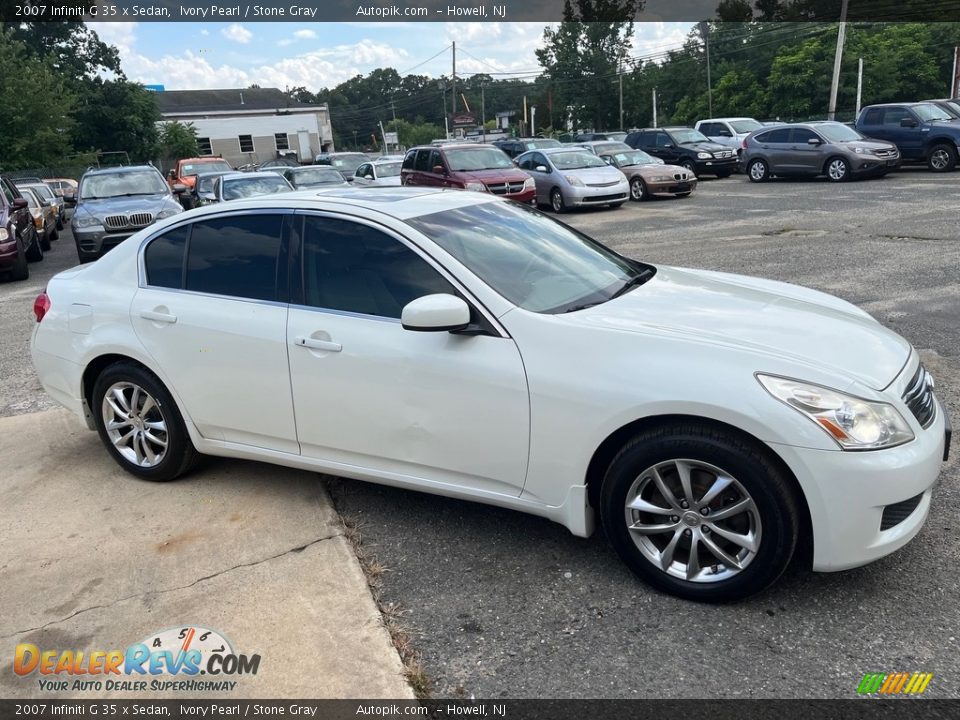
[283, 143]
[203, 144]
[246, 143]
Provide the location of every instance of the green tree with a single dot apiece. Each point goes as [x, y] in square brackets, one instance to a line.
[73, 49]
[117, 115]
[35, 121]
[178, 140]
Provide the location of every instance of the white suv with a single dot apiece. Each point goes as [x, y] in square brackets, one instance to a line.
[728, 131]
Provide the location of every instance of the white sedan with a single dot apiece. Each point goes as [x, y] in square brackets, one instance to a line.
[459, 344]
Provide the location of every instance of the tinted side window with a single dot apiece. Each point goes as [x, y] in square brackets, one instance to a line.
[780, 135]
[409, 159]
[436, 159]
[353, 267]
[663, 140]
[539, 159]
[873, 116]
[163, 258]
[423, 160]
[7, 191]
[893, 115]
[711, 128]
[235, 256]
[801, 135]
[526, 163]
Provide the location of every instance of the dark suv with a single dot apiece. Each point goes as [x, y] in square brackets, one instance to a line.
[518, 146]
[19, 241]
[923, 132]
[686, 147]
[483, 168]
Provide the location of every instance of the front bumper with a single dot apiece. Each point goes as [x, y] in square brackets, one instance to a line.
[672, 187]
[852, 495]
[580, 196]
[95, 241]
[865, 165]
[717, 166]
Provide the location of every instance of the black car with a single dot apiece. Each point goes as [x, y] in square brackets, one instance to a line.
[686, 147]
[923, 132]
[517, 146]
[589, 137]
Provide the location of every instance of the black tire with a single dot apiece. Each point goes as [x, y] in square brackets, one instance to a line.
[683, 194]
[775, 511]
[59, 225]
[179, 455]
[758, 171]
[837, 169]
[20, 270]
[724, 173]
[45, 242]
[556, 201]
[689, 165]
[35, 249]
[615, 206]
[942, 158]
[638, 189]
[55, 235]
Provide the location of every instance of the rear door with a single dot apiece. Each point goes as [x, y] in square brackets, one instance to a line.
[212, 312]
[803, 157]
[774, 146]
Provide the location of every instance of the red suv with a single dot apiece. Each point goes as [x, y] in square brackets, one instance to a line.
[469, 166]
[18, 237]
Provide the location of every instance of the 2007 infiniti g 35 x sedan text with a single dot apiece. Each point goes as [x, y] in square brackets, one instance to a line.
[460, 344]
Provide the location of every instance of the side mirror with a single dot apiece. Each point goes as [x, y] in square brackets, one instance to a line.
[668, 146]
[172, 174]
[724, 133]
[908, 122]
[813, 141]
[435, 313]
[70, 198]
[207, 196]
[368, 177]
[438, 169]
[180, 189]
[19, 203]
[542, 168]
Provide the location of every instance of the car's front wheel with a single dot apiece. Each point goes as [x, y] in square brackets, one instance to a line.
[942, 158]
[556, 201]
[688, 164]
[699, 512]
[140, 424]
[35, 249]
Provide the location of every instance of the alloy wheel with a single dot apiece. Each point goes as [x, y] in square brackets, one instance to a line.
[940, 159]
[758, 171]
[135, 424]
[837, 170]
[637, 191]
[693, 520]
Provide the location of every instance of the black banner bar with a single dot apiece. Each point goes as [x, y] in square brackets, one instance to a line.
[463, 10]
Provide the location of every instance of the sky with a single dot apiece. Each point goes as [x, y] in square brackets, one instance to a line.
[191, 56]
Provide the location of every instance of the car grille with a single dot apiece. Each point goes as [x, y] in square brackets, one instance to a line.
[898, 512]
[919, 399]
[605, 198]
[681, 176]
[604, 184]
[505, 188]
[723, 154]
[887, 154]
[121, 222]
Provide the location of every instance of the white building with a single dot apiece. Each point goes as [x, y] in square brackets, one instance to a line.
[252, 125]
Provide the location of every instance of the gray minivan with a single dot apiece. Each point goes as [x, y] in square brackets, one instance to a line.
[816, 148]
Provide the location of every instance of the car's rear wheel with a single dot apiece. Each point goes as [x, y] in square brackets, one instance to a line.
[758, 171]
[44, 242]
[838, 169]
[942, 158]
[700, 513]
[35, 249]
[724, 173]
[556, 201]
[638, 189]
[59, 225]
[139, 423]
[55, 235]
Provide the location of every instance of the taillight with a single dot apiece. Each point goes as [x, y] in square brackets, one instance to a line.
[743, 145]
[41, 305]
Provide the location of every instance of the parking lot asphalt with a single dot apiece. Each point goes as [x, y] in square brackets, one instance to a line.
[506, 605]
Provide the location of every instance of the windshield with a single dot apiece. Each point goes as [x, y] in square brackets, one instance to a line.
[205, 182]
[202, 167]
[931, 112]
[609, 145]
[618, 136]
[236, 188]
[477, 159]
[575, 160]
[531, 260]
[634, 157]
[540, 144]
[688, 135]
[31, 199]
[107, 185]
[44, 192]
[348, 163]
[838, 132]
[744, 126]
[390, 169]
[306, 177]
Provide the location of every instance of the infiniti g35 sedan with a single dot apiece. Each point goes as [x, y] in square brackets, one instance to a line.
[463, 345]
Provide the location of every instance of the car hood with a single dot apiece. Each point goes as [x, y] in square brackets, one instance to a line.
[651, 171]
[605, 174]
[870, 145]
[124, 205]
[498, 175]
[762, 316]
[705, 146]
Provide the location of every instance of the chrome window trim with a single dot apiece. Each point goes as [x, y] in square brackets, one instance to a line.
[344, 313]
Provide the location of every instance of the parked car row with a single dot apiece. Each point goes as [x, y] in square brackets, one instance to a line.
[31, 216]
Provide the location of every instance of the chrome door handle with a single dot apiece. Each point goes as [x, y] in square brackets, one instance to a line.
[315, 344]
[158, 316]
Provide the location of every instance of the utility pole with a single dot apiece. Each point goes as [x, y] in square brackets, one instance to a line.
[859, 86]
[453, 109]
[954, 85]
[705, 33]
[533, 120]
[838, 56]
[620, 76]
[483, 112]
[655, 107]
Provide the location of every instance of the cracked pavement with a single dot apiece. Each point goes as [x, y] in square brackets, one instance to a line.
[94, 559]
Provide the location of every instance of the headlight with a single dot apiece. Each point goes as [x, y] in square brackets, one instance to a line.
[704, 155]
[529, 184]
[661, 178]
[574, 180]
[476, 187]
[4, 235]
[855, 424]
[169, 212]
[86, 221]
[862, 151]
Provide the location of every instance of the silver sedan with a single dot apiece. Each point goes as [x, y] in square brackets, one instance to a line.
[573, 177]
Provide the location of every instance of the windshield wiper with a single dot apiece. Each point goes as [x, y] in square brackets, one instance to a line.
[639, 279]
[135, 194]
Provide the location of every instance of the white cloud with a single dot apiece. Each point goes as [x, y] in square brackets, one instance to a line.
[204, 32]
[305, 35]
[237, 33]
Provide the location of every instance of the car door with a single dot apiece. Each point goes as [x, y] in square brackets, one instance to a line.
[667, 148]
[802, 156]
[908, 138]
[424, 407]
[541, 178]
[20, 219]
[212, 313]
[774, 146]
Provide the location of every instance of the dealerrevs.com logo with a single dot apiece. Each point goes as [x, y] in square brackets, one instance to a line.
[900, 683]
[168, 661]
